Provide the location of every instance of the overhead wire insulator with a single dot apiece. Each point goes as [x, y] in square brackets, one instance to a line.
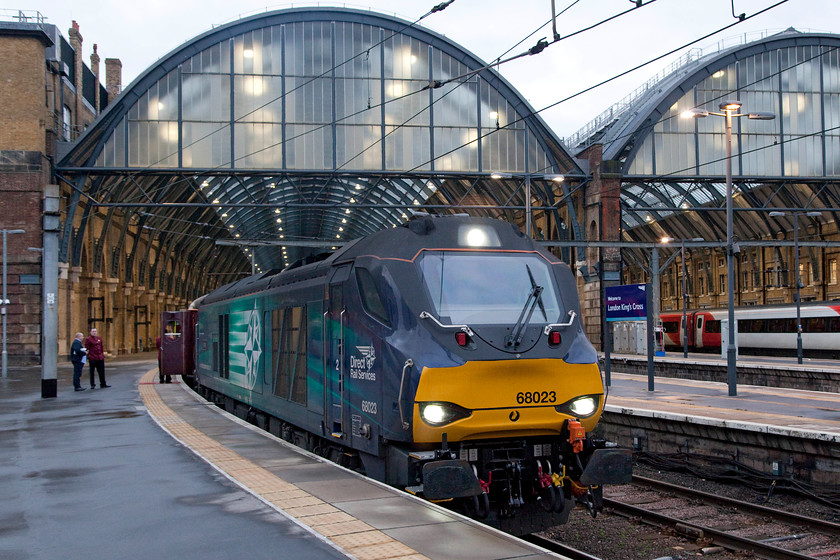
[539, 47]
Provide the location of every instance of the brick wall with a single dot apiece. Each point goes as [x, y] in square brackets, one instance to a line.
[22, 179]
[22, 94]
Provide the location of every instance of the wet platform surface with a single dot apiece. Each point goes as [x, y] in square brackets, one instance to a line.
[92, 475]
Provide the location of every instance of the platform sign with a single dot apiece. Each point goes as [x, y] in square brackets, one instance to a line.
[626, 303]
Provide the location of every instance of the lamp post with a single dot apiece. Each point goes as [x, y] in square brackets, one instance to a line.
[729, 109]
[4, 364]
[796, 275]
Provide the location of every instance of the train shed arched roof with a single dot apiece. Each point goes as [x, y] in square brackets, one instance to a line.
[674, 167]
[304, 127]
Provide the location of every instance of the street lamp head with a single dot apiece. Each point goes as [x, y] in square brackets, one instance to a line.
[694, 114]
[730, 105]
[761, 116]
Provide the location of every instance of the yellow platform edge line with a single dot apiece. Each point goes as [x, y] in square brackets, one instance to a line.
[230, 464]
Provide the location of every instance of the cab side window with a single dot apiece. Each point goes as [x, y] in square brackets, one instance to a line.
[371, 298]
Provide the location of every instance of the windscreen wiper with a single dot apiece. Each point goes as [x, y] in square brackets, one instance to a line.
[534, 298]
[539, 296]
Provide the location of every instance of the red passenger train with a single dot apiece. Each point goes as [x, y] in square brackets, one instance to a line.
[761, 330]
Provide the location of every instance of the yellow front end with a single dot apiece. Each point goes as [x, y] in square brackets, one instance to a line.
[507, 398]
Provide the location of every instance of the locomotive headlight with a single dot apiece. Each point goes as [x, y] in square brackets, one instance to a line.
[440, 414]
[478, 236]
[583, 407]
[580, 407]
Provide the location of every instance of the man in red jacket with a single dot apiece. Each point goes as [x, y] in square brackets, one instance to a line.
[96, 358]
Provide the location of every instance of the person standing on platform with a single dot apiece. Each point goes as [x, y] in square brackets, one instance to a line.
[96, 358]
[78, 358]
[160, 364]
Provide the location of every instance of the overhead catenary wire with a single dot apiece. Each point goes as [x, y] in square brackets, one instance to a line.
[597, 85]
[439, 7]
[613, 78]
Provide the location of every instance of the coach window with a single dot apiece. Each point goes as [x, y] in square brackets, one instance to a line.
[172, 329]
[289, 344]
[371, 298]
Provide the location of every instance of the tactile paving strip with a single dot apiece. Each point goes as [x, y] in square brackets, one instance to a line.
[352, 536]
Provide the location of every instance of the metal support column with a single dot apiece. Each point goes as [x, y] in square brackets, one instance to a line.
[49, 307]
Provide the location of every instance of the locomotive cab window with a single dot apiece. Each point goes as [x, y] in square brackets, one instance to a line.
[371, 298]
[489, 287]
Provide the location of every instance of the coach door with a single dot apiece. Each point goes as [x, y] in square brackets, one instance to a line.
[698, 330]
[335, 319]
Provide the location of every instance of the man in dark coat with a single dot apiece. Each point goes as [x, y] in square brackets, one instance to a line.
[77, 355]
[96, 358]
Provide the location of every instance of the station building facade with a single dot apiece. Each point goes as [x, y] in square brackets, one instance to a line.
[48, 97]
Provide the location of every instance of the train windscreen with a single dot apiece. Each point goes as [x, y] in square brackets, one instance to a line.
[490, 287]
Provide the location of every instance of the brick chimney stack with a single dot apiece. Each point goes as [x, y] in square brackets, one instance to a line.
[76, 43]
[113, 77]
[94, 66]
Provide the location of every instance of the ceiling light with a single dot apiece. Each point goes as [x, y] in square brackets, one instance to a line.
[248, 53]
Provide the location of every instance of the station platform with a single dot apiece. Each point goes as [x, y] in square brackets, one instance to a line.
[809, 414]
[779, 431]
[92, 475]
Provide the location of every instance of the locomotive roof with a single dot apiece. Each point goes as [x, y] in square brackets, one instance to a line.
[403, 242]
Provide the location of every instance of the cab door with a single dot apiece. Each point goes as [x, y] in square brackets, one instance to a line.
[335, 387]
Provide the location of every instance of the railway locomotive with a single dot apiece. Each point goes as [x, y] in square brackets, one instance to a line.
[445, 357]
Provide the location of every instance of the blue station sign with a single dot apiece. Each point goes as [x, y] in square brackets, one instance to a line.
[626, 303]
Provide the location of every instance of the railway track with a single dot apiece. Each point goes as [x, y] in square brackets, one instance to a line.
[764, 532]
[559, 548]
